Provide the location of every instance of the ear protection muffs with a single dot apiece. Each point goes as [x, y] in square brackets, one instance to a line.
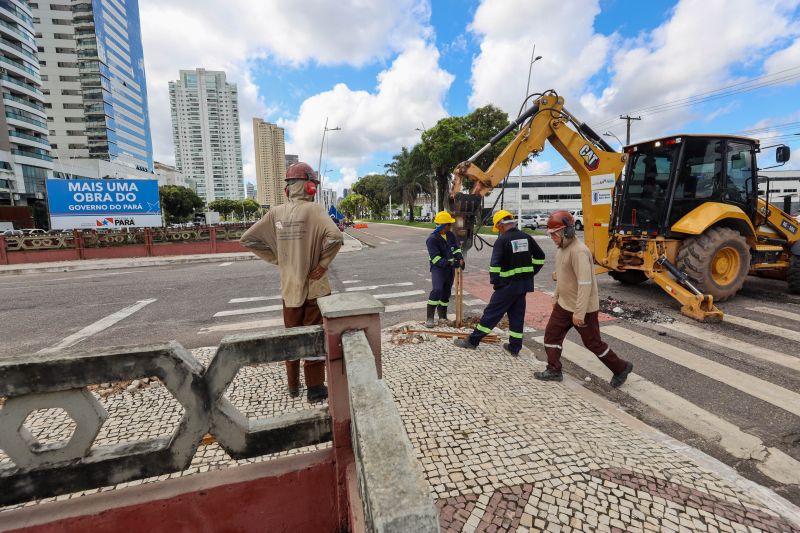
[569, 229]
[310, 188]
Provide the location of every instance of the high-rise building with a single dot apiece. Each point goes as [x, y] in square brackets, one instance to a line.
[93, 79]
[251, 191]
[291, 159]
[270, 162]
[206, 134]
[25, 161]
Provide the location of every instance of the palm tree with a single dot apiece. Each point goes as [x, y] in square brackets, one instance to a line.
[409, 175]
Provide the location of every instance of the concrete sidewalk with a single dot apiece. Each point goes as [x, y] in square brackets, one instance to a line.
[501, 451]
[350, 245]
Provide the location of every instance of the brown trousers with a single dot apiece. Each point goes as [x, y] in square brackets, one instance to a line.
[556, 331]
[314, 371]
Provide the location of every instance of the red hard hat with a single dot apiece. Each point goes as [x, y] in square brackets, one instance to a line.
[301, 171]
[559, 220]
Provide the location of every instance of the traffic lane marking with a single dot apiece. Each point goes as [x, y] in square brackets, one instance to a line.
[777, 312]
[97, 327]
[373, 287]
[278, 322]
[771, 461]
[249, 310]
[398, 294]
[254, 299]
[746, 348]
[762, 327]
[28, 283]
[225, 264]
[758, 388]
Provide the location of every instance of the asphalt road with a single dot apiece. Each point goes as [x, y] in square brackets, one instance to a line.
[748, 393]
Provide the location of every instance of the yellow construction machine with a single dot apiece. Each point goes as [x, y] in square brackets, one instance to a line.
[686, 214]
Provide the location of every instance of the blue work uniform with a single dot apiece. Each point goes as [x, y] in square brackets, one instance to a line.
[516, 258]
[444, 254]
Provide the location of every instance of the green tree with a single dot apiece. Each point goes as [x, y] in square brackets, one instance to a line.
[354, 205]
[410, 175]
[224, 207]
[454, 139]
[375, 188]
[251, 207]
[178, 203]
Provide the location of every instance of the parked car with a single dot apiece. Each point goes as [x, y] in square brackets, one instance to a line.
[578, 216]
[33, 231]
[13, 233]
[541, 218]
[529, 222]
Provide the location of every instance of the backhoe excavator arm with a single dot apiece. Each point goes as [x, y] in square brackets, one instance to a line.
[598, 168]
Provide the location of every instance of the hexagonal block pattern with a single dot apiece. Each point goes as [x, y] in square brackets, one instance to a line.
[25, 450]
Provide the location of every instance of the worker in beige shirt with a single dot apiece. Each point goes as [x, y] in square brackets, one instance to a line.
[577, 303]
[302, 240]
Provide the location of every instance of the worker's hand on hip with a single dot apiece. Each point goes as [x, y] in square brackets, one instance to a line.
[462, 264]
[317, 273]
[577, 322]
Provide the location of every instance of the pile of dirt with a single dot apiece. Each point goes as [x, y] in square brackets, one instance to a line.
[632, 312]
[402, 335]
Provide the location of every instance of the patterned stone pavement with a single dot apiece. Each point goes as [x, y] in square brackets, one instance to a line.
[502, 452]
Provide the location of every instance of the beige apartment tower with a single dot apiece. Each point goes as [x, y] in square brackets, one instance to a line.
[270, 162]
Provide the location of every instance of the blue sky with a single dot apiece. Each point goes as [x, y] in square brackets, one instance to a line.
[382, 71]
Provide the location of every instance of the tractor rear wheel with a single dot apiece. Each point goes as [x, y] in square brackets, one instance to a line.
[793, 277]
[629, 277]
[717, 261]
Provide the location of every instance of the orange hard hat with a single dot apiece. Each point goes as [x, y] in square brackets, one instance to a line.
[301, 171]
[559, 220]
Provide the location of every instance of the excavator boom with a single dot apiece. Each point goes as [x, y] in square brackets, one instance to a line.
[598, 168]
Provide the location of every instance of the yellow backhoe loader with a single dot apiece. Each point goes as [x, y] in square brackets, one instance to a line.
[687, 213]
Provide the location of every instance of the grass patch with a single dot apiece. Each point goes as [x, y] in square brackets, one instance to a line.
[430, 225]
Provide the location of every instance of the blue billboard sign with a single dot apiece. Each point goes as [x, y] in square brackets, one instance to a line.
[87, 203]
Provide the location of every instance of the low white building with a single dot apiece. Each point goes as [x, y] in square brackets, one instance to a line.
[98, 169]
[169, 175]
[552, 192]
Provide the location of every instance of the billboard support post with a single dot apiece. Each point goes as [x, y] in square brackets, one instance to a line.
[3, 253]
[212, 234]
[78, 238]
[148, 242]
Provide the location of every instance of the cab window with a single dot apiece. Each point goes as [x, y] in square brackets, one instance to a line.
[700, 173]
[740, 172]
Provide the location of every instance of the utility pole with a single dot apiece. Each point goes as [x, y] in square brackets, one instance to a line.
[628, 119]
[534, 59]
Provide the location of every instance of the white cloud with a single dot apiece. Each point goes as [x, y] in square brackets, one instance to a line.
[783, 60]
[698, 48]
[187, 34]
[410, 92]
[563, 32]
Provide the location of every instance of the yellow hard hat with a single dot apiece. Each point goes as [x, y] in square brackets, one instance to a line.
[500, 215]
[443, 217]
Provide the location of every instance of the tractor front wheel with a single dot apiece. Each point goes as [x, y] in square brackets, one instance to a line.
[793, 277]
[717, 261]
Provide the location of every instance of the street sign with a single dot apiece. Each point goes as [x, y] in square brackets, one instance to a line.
[89, 203]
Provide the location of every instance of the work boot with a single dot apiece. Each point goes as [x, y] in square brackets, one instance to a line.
[443, 313]
[620, 378]
[464, 343]
[294, 392]
[431, 315]
[317, 393]
[508, 350]
[549, 375]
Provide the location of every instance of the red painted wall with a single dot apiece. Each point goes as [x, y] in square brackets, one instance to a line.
[293, 494]
[42, 256]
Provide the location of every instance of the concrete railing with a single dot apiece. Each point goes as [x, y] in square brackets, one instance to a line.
[368, 480]
[35, 382]
[394, 492]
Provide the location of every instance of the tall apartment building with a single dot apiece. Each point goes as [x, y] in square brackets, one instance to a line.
[291, 159]
[25, 161]
[93, 79]
[206, 135]
[270, 162]
[251, 191]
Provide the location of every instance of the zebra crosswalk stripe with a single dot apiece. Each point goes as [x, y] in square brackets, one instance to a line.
[763, 327]
[771, 461]
[758, 388]
[752, 350]
[776, 312]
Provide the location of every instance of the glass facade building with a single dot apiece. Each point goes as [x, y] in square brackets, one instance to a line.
[94, 80]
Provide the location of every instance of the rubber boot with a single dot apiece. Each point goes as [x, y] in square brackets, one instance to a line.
[431, 314]
[443, 314]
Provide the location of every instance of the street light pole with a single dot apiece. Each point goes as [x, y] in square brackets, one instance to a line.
[325, 130]
[609, 134]
[534, 59]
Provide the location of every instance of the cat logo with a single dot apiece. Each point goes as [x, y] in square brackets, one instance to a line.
[590, 159]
